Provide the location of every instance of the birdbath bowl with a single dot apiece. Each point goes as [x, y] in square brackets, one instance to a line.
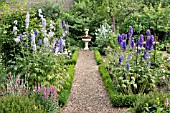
[86, 40]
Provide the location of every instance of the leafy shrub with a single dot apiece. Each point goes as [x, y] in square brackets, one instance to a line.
[154, 102]
[168, 50]
[47, 97]
[74, 58]
[19, 104]
[97, 57]
[117, 99]
[64, 94]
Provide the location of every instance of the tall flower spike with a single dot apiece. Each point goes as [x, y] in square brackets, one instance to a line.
[119, 38]
[149, 43]
[132, 43]
[27, 20]
[128, 66]
[140, 41]
[43, 22]
[124, 45]
[131, 30]
[148, 32]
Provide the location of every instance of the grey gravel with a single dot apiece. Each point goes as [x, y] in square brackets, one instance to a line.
[88, 94]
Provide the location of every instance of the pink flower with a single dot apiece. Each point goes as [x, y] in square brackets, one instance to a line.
[166, 103]
[9, 73]
[52, 88]
[45, 96]
[54, 95]
[39, 88]
[18, 81]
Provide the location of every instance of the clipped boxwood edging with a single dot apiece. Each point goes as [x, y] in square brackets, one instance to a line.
[64, 94]
[73, 61]
[117, 99]
[98, 57]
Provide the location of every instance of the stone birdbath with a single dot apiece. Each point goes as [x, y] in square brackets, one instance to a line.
[86, 39]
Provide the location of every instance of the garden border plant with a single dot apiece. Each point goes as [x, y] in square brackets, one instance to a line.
[64, 94]
[117, 99]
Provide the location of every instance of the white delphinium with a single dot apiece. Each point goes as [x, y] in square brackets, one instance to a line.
[51, 34]
[52, 25]
[104, 30]
[32, 39]
[43, 23]
[17, 40]
[46, 42]
[27, 20]
[39, 13]
[34, 47]
[15, 29]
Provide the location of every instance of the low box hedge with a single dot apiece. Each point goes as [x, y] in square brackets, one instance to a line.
[64, 94]
[98, 57]
[117, 99]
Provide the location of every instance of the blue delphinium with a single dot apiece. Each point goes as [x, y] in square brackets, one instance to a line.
[124, 45]
[120, 60]
[39, 42]
[36, 33]
[20, 36]
[140, 41]
[119, 38]
[132, 43]
[149, 43]
[131, 30]
[148, 32]
[146, 55]
[128, 66]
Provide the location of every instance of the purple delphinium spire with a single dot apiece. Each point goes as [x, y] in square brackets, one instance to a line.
[120, 60]
[146, 55]
[20, 35]
[39, 42]
[36, 33]
[119, 38]
[60, 44]
[148, 32]
[132, 43]
[131, 31]
[140, 41]
[128, 66]
[149, 43]
[124, 45]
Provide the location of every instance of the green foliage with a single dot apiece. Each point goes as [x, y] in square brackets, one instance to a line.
[74, 58]
[19, 104]
[105, 38]
[154, 102]
[47, 97]
[50, 9]
[98, 57]
[117, 99]
[168, 50]
[64, 94]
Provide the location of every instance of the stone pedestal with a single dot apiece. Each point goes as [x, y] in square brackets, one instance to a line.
[86, 41]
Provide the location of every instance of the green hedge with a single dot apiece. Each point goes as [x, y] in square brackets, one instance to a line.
[73, 61]
[98, 57]
[116, 98]
[64, 94]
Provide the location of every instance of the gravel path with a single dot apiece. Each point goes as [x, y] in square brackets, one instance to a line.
[88, 94]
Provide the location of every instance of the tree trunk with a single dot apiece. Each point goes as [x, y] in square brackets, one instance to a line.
[113, 25]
